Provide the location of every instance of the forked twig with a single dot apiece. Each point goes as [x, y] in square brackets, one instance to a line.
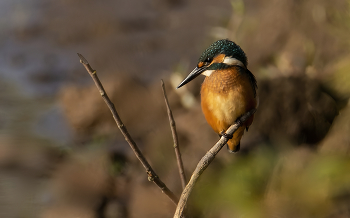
[175, 138]
[152, 176]
[204, 163]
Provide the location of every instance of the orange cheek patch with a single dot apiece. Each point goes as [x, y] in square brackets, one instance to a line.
[200, 64]
[219, 58]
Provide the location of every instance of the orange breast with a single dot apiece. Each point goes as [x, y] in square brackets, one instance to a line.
[226, 95]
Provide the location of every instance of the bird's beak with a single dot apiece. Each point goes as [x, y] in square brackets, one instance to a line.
[197, 71]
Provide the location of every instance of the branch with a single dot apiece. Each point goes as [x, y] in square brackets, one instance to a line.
[152, 176]
[175, 138]
[204, 163]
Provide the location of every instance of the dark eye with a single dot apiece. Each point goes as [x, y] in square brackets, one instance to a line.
[207, 61]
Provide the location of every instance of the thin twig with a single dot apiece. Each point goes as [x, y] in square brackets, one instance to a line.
[152, 176]
[175, 138]
[204, 163]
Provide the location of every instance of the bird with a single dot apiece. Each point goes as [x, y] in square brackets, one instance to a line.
[228, 91]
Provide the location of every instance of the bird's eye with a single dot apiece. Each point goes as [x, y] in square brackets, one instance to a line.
[207, 61]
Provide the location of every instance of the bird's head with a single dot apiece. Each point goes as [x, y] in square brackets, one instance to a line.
[219, 55]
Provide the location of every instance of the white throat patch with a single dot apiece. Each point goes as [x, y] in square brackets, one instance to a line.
[208, 72]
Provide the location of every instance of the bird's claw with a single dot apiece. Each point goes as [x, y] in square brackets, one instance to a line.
[224, 134]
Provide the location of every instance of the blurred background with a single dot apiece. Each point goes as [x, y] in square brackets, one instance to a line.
[61, 154]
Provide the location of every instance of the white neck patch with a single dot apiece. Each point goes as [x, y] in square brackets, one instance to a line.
[233, 61]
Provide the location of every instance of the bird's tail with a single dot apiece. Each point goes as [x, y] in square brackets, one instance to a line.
[233, 145]
[235, 148]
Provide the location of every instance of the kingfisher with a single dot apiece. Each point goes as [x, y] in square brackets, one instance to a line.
[229, 89]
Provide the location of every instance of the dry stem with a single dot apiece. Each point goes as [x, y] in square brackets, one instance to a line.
[204, 163]
[152, 176]
[175, 138]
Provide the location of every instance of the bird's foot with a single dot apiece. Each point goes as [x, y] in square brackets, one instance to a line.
[222, 133]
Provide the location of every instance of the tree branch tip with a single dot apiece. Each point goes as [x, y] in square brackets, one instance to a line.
[82, 59]
[162, 84]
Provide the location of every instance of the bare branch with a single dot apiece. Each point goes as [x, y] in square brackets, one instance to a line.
[152, 176]
[204, 163]
[175, 138]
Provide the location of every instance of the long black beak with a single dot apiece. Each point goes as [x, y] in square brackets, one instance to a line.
[197, 71]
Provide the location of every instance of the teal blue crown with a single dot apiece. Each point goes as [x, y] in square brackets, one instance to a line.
[224, 46]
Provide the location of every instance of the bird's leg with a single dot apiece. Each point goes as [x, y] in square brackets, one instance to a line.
[223, 133]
